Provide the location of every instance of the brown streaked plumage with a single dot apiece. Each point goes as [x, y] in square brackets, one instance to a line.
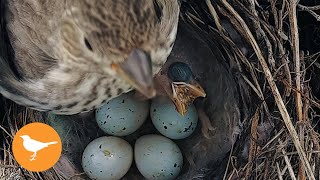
[74, 54]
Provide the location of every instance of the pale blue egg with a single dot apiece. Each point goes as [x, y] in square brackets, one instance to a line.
[169, 122]
[107, 158]
[157, 157]
[122, 115]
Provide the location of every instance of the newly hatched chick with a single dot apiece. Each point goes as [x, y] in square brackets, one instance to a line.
[197, 61]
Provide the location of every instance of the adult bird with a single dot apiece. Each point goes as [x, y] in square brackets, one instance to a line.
[200, 69]
[72, 55]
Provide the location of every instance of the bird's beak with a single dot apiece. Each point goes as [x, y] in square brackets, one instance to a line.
[183, 94]
[137, 70]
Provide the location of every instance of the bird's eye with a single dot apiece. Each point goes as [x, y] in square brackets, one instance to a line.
[88, 45]
[179, 71]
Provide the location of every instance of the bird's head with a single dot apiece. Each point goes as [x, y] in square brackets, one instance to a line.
[25, 137]
[178, 82]
[119, 39]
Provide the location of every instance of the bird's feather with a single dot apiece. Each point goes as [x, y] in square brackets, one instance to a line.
[63, 49]
[32, 23]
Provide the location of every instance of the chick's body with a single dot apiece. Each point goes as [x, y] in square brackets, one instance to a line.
[64, 49]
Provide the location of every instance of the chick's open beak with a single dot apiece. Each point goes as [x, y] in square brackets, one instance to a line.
[137, 71]
[183, 94]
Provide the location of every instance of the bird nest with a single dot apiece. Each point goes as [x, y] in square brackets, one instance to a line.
[277, 74]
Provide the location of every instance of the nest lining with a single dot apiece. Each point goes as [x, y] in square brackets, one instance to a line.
[282, 136]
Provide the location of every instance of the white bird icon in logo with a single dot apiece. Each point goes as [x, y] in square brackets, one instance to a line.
[34, 146]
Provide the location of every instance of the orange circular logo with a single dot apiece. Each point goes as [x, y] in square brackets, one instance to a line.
[37, 147]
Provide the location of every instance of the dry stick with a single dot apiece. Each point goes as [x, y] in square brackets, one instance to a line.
[287, 160]
[258, 23]
[228, 164]
[310, 10]
[285, 60]
[309, 151]
[313, 8]
[301, 130]
[262, 34]
[284, 170]
[215, 16]
[301, 171]
[252, 86]
[313, 102]
[316, 142]
[306, 119]
[244, 60]
[4, 130]
[266, 173]
[296, 55]
[235, 170]
[275, 13]
[276, 93]
[231, 175]
[279, 172]
[253, 145]
[283, 55]
[273, 139]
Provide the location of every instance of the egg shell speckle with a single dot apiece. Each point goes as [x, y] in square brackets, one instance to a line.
[157, 157]
[122, 115]
[169, 122]
[107, 158]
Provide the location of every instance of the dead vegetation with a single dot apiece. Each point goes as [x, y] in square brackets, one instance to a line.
[277, 71]
[282, 132]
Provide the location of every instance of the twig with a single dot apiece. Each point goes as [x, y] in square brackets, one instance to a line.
[245, 60]
[301, 171]
[279, 172]
[285, 62]
[316, 142]
[253, 145]
[266, 174]
[310, 152]
[275, 13]
[8, 166]
[261, 33]
[311, 10]
[273, 139]
[252, 86]
[228, 164]
[284, 57]
[286, 159]
[77, 175]
[3, 129]
[296, 54]
[313, 102]
[215, 16]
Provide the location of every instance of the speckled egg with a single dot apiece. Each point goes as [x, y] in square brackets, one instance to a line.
[169, 122]
[107, 158]
[123, 115]
[157, 157]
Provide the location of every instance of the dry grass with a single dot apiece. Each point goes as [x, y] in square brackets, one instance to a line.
[16, 118]
[276, 71]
